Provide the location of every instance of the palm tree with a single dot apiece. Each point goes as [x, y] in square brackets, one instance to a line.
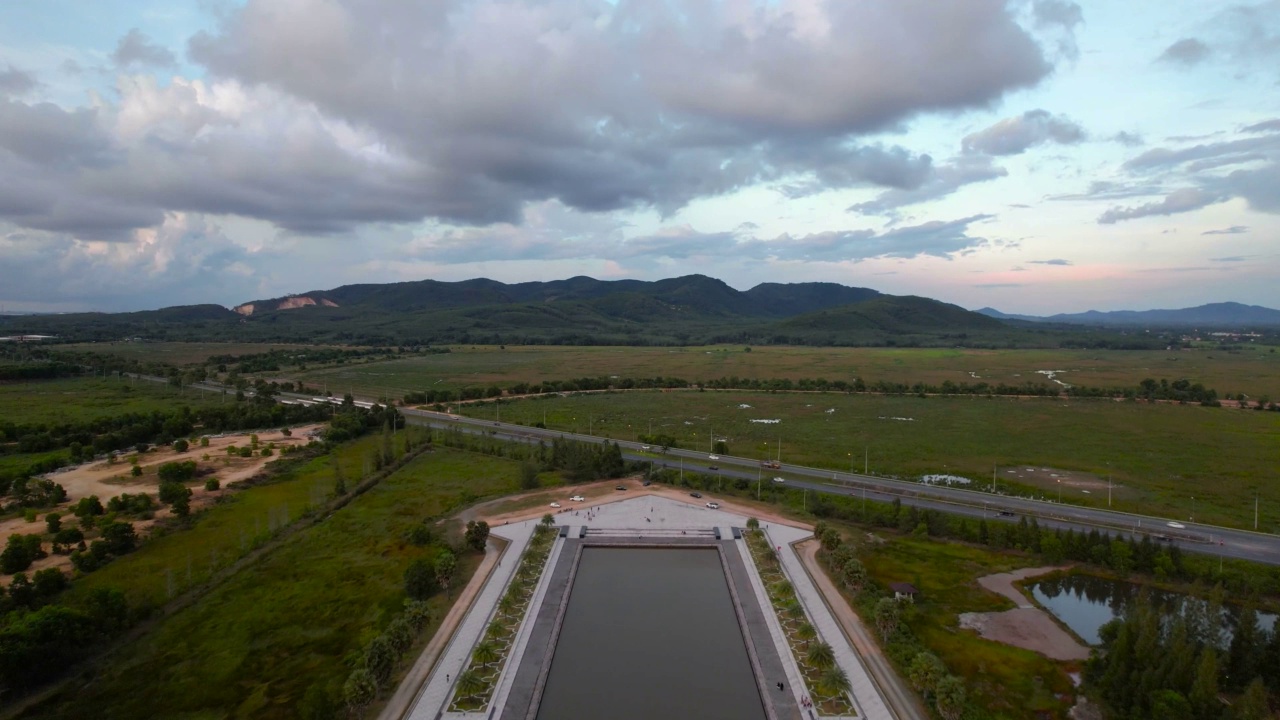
[470, 683]
[821, 656]
[794, 610]
[806, 632]
[506, 604]
[834, 681]
[484, 653]
[784, 588]
[495, 631]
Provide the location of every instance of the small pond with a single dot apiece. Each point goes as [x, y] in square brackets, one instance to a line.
[1085, 603]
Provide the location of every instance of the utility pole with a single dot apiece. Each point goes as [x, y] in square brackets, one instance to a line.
[1108, 489]
[1255, 509]
[993, 477]
[758, 479]
[866, 463]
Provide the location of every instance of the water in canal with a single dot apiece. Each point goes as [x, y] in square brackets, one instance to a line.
[1085, 603]
[650, 633]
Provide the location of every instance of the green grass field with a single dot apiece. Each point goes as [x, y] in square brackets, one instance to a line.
[1253, 370]
[254, 645]
[87, 398]
[180, 353]
[1159, 455]
[1006, 681]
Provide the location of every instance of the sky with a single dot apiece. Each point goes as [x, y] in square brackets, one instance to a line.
[1036, 156]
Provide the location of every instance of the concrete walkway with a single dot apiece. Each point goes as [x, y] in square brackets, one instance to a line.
[866, 694]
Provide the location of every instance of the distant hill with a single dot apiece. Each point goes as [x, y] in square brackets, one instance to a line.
[1216, 315]
[690, 309]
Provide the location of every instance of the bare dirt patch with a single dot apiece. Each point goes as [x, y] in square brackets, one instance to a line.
[1026, 626]
[1071, 483]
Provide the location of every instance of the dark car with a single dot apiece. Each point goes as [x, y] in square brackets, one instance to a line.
[713, 467]
[697, 495]
[621, 487]
[1006, 513]
[647, 483]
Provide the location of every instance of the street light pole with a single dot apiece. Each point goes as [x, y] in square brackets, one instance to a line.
[1193, 508]
[1255, 509]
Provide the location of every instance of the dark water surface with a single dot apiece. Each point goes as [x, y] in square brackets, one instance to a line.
[1085, 603]
[650, 634]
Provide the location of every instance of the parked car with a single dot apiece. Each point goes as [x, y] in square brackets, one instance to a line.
[779, 480]
[713, 505]
[555, 504]
[577, 498]
[696, 495]
[621, 487]
[647, 483]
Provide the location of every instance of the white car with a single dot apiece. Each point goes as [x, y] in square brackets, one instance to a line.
[577, 498]
[779, 480]
[1176, 525]
[644, 447]
[713, 505]
[713, 457]
[555, 504]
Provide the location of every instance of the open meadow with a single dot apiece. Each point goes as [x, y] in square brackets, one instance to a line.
[255, 645]
[85, 399]
[182, 353]
[1251, 370]
[1159, 456]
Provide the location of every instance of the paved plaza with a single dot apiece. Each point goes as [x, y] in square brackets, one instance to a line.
[645, 518]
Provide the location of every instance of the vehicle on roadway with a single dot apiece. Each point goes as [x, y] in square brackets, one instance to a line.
[1005, 513]
[577, 498]
[555, 504]
[779, 480]
[713, 467]
[644, 447]
[774, 464]
[713, 457]
[696, 495]
[713, 505]
[1176, 525]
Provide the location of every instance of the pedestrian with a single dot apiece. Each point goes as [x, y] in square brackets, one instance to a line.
[780, 686]
[446, 677]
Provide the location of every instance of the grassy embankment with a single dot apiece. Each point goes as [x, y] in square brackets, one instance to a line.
[1159, 456]
[1251, 370]
[253, 646]
[1004, 681]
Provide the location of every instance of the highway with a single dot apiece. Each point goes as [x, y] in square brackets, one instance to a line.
[1192, 537]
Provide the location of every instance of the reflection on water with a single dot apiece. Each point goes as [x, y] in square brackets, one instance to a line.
[1085, 603]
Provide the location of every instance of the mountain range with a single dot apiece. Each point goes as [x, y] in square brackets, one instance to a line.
[1226, 315]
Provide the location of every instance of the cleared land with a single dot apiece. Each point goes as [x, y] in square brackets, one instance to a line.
[1159, 456]
[256, 644]
[1251, 370]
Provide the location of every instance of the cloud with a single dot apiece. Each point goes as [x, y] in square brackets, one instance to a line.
[135, 49]
[1231, 259]
[1055, 261]
[1272, 125]
[1178, 201]
[1187, 51]
[1241, 150]
[551, 231]
[994, 286]
[1233, 230]
[16, 82]
[941, 181]
[1015, 135]
[1128, 138]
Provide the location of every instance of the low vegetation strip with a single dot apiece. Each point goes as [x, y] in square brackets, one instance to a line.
[479, 679]
[815, 658]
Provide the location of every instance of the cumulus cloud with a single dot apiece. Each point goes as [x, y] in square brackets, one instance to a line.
[135, 49]
[1178, 201]
[1015, 135]
[1055, 261]
[1187, 51]
[1128, 138]
[942, 181]
[1233, 230]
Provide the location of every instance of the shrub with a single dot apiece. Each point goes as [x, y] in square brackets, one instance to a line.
[212, 484]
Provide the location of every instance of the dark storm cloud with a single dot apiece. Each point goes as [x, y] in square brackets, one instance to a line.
[1015, 135]
[136, 49]
[1187, 51]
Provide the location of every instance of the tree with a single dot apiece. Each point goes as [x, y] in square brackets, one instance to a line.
[380, 659]
[528, 476]
[855, 575]
[820, 655]
[887, 616]
[135, 471]
[21, 591]
[445, 566]
[1170, 705]
[753, 524]
[806, 632]
[925, 672]
[949, 697]
[19, 552]
[548, 520]
[88, 506]
[470, 683]
[833, 681]
[181, 445]
[485, 652]
[212, 484]
[49, 582]
[1244, 656]
[53, 521]
[1204, 691]
[119, 537]
[339, 483]
[1253, 704]
[420, 579]
[477, 534]
[359, 690]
